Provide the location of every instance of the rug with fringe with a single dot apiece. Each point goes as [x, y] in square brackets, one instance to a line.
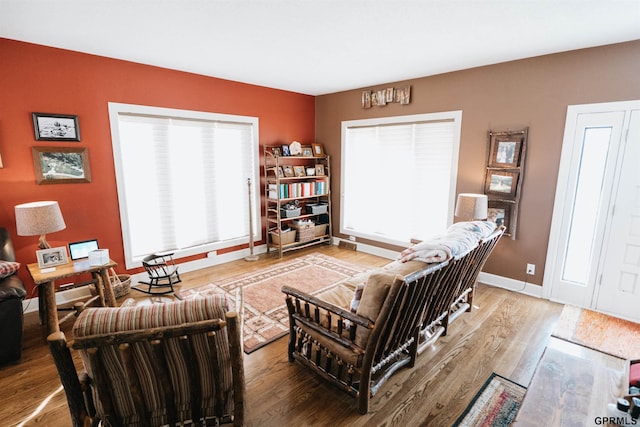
[265, 315]
[495, 405]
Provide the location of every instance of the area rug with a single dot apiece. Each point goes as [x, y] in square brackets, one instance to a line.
[598, 331]
[495, 405]
[265, 315]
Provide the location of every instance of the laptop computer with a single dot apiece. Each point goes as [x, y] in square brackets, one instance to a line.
[80, 250]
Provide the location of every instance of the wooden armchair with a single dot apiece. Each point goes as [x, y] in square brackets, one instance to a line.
[359, 351]
[154, 365]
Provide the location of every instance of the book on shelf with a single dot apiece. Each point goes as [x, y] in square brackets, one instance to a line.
[293, 190]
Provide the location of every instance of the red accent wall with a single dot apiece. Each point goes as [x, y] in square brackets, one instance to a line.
[36, 78]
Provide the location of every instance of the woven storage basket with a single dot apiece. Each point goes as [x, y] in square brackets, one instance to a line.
[306, 231]
[286, 237]
[121, 284]
[320, 230]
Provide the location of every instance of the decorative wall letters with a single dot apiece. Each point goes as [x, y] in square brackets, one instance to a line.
[386, 96]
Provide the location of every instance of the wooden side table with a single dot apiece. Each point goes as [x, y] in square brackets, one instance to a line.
[47, 294]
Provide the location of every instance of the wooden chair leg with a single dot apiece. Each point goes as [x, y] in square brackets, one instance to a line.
[237, 367]
[68, 378]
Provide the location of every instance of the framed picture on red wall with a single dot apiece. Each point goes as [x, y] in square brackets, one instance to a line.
[61, 165]
[56, 127]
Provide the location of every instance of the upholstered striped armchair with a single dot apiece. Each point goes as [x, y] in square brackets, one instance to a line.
[154, 365]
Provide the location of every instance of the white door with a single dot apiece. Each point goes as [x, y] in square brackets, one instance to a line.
[585, 233]
[619, 284]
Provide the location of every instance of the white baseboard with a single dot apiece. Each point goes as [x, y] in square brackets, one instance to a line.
[369, 249]
[76, 294]
[510, 284]
[486, 278]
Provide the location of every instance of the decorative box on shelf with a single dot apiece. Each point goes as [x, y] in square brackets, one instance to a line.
[306, 230]
[283, 237]
[317, 208]
[290, 213]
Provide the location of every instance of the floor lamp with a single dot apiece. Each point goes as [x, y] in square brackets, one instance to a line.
[251, 256]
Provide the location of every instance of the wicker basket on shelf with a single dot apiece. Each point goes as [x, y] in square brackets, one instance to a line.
[306, 231]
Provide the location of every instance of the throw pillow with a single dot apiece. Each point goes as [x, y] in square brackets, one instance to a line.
[357, 296]
[7, 268]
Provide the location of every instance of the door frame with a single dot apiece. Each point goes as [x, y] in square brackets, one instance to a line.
[564, 174]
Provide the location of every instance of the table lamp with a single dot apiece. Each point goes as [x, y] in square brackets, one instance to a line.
[39, 218]
[472, 206]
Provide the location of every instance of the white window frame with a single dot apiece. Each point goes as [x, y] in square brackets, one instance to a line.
[452, 116]
[115, 109]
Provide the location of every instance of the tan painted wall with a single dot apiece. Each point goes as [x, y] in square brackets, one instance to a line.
[532, 92]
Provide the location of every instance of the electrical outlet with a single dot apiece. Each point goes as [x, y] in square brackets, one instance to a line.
[352, 238]
[531, 269]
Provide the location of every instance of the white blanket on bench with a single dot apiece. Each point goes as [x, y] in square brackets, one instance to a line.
[457, 240]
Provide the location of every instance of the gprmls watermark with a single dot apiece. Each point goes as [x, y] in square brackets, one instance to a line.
[616, 421]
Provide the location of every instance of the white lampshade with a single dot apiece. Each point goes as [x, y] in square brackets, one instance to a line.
[472, 206]
[39, 218]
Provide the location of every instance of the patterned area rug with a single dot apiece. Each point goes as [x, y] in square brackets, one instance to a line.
[265, 314]
[495, 405]
[598, 331]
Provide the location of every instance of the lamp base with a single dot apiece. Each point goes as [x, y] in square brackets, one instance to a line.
[42, 242]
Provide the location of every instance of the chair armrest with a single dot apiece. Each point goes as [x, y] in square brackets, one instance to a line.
[328, 320]
[331, 308]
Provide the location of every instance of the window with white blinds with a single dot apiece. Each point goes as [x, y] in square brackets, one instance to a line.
[182, 179]
[399, 176]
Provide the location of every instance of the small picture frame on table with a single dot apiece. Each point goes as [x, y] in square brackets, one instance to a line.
[288, 171]
[319, 170]
[52, 257]
[56, 127]
[285, 150]
[280, 172]
[276, 151]
[299, 171]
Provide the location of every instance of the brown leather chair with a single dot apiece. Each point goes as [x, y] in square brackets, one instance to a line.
[12, 293]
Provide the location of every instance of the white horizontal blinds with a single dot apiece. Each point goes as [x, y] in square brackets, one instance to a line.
[435, 168]
[185, 180]
[145, 161]
[397, 179]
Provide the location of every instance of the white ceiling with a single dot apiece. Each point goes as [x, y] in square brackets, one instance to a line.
[320, 46]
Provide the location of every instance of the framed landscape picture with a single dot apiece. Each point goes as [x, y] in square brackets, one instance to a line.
[502, 183]
[56, 127]
[61, 165]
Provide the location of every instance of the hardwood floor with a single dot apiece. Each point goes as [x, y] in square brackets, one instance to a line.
[505, 333]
